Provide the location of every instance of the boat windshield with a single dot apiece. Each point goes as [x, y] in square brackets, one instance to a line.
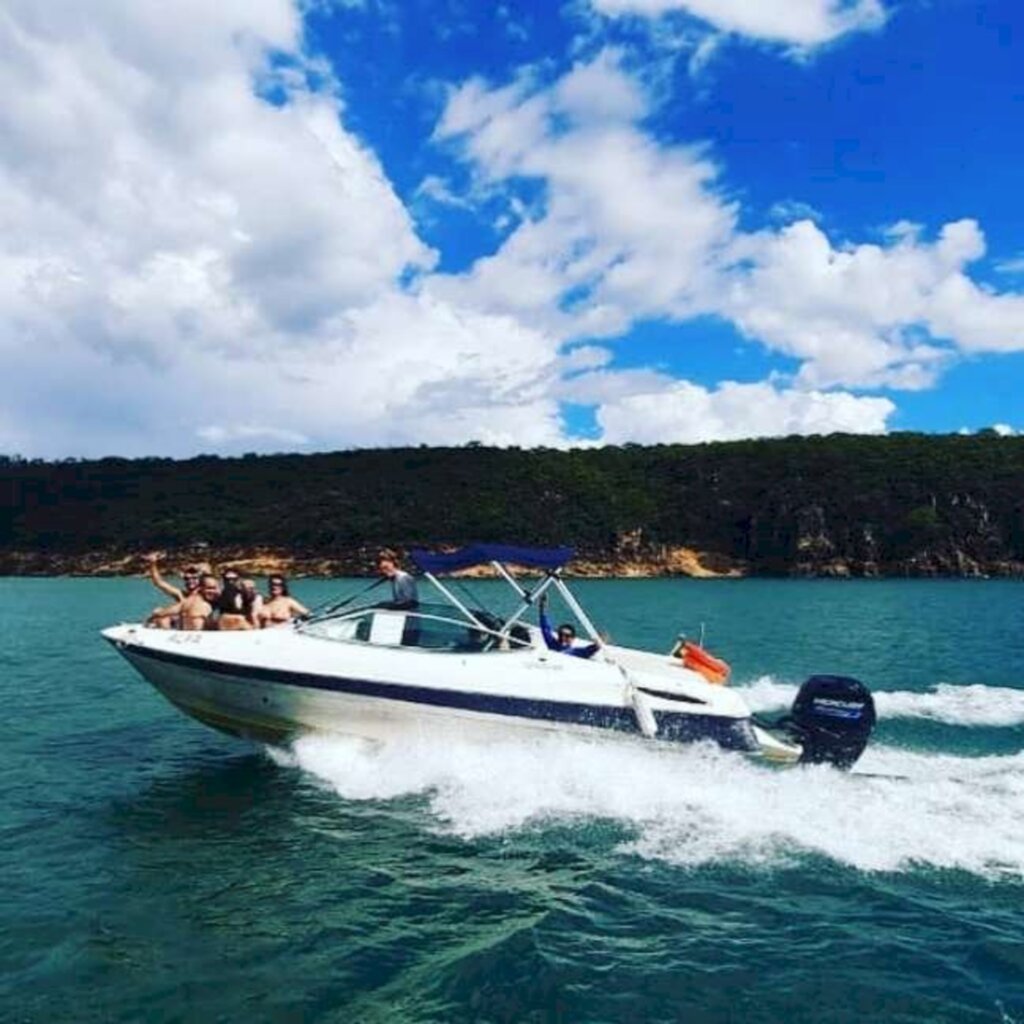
[429, 628]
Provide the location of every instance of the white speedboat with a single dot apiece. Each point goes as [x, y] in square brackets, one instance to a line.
[378, 671]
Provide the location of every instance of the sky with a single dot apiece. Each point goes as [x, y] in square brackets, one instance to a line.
[312, 225]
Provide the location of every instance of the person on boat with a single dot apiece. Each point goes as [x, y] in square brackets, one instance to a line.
[169, 616]
[197, 609]
[516, 639]
[403, 586]
[562, 639]
[230, 607]
[279, 606]
[252, 602]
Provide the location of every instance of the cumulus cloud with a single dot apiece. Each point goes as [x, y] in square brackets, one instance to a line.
[633, 229]
[799, 23]
[869, 315]
[673, 410]
[195, 252]
[628, 225]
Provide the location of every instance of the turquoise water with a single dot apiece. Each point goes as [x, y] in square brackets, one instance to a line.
[154, 870]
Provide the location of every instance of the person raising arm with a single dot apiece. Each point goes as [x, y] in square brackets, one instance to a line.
[564, 638]
[169, 616]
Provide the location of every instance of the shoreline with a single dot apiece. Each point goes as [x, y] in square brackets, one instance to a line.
[360, 562]
[663, 561]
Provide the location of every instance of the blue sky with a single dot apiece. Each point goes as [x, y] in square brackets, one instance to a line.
[272, 225]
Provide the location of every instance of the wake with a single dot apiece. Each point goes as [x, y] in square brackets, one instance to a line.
[698, 805]
[973, 705]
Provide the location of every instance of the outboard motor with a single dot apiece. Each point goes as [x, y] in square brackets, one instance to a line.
[831, 718]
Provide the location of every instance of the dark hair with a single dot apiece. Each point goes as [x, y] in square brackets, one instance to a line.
[271, 580]
[520, 634]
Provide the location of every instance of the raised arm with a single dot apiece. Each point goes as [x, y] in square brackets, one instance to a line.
[160, 583]
[545, 626]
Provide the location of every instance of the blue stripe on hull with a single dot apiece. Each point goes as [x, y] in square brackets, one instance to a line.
[729, 733]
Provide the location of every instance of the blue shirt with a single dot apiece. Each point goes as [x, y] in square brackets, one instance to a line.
[554, 644]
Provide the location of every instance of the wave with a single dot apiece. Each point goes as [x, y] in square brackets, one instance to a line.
[698, 805]
[969, 705]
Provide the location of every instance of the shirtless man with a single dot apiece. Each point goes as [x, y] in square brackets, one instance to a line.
[197, 608]
[169, 617]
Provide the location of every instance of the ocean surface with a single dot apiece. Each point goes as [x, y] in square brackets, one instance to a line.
[153, 870]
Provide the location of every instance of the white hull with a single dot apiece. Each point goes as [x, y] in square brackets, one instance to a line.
[275, 684]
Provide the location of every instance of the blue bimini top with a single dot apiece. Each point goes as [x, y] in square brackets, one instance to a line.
[480, 554]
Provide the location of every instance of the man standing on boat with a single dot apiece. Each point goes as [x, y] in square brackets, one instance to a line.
[564, 638]
[403, 587]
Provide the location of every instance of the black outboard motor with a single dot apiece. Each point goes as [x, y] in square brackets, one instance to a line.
[831, 718]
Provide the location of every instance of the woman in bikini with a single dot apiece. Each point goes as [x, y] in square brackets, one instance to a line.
[231, 606]
[279, 606]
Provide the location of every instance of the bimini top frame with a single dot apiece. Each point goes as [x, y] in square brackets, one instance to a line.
[499, 556]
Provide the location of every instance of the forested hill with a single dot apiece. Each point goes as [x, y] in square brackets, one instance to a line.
[896, 505]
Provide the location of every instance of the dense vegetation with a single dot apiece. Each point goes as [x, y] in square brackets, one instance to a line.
[902, 503]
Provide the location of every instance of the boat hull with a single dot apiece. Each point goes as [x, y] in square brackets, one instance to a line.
[272, 703]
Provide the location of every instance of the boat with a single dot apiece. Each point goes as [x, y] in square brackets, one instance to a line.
[449, 667]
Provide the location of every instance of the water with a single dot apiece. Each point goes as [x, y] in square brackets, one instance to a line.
[154, 870]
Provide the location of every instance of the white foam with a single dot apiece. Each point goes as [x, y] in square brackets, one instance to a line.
[958, 705]
[968, 705]
[766, 694]
[699, 805]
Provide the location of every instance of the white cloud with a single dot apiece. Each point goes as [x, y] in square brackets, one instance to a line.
[1011, 266]
[679, 411]
[628, 225]
[864, 315]
[800, 23]
[183, 261]
[219, 435]
[633, 229]
[437, 190]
